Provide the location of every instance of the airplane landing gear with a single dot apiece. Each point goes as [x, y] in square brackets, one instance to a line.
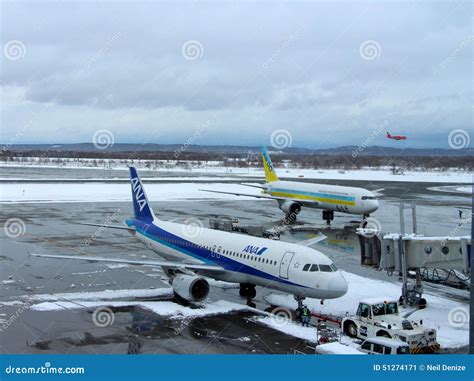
[290, 219]
[363, 223]
[247, 290]
[299, 310]
[328, 216]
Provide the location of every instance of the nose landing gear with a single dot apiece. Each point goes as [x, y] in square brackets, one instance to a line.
[328, 216]
[247, 290]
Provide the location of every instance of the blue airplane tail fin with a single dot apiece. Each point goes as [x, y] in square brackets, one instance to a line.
[141, 206]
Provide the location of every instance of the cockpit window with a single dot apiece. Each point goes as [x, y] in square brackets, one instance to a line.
[325, 268]
[314, 267]
[368, 198]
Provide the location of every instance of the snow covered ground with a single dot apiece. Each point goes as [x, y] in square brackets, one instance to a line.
[106, 192]
[122, 298]
[449, 317]
[369, 174]
[467, 189]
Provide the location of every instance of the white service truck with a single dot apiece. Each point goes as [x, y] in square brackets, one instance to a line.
[380, 318]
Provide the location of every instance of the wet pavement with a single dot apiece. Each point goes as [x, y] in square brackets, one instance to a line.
[53, 229]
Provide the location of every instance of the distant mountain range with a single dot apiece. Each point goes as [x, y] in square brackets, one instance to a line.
[345, 150]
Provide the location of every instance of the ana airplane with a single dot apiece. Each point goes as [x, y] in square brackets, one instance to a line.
[292, 195]
[192, 253]
[396, 137]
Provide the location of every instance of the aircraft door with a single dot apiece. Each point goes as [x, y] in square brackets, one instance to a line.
[285, 264]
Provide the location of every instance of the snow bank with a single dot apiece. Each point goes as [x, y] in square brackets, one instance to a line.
[126, 298]
[162, 308]
[103, 295]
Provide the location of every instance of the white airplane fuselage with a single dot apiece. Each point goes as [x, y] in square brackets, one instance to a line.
[344, 199]
[245, 259]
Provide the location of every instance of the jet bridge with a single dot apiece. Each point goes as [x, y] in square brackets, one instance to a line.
[403, 252]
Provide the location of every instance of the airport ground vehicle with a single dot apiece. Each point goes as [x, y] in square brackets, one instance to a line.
[384, 346]
[380, 318]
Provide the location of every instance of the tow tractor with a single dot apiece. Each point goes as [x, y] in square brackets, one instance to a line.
[380, 318]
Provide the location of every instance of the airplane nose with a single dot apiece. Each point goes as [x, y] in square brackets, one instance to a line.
[338, 285]
[375, 204]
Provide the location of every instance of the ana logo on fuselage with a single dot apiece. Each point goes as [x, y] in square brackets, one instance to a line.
[137, 189]
[254, 249]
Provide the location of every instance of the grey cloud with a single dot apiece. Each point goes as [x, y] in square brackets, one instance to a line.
[273, 65]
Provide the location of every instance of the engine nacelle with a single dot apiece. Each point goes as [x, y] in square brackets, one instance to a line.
[290, 207]
[190, 288]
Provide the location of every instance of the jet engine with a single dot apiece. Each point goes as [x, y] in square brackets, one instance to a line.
[190, 288]
[290, 207]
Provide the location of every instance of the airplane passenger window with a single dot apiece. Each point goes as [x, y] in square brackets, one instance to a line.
[325, 268]
[314, 268]
[306, 267]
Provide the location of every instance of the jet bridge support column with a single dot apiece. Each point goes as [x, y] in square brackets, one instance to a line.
[471, 300]
[401, 249]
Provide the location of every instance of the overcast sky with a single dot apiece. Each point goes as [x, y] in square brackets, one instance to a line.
[328, 73]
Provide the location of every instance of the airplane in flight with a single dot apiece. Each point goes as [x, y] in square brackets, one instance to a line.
[190, 255]
[396, 137]
[293, 195]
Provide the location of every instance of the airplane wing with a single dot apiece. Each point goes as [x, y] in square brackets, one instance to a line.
[169, 264]
[266, 196]
[253, 185]
[308, 242]
[109, 226]
[378, 192]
